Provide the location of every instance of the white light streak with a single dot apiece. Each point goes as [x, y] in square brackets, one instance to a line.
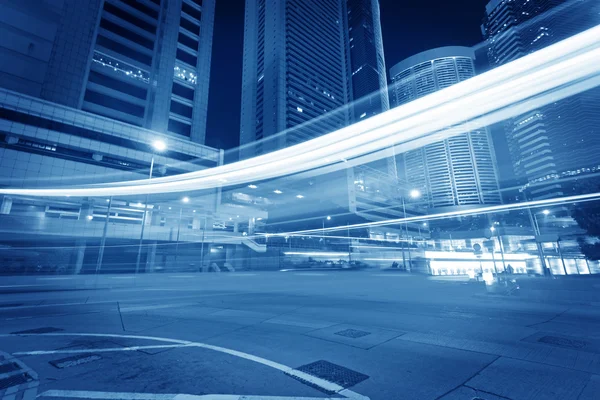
[537, 79]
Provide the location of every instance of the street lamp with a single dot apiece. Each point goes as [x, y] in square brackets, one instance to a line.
[157, 145]
[546, 212]
[415, 193]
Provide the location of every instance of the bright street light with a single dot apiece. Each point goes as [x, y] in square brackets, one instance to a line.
[252, 186]
[328, 218]
[546, 212]
[186, 199]
[415, 193]
[299, 196]
[492, 228]
[159, 145]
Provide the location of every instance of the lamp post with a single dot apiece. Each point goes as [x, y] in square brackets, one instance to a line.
[414, 194]
[103, 241]
[183, 200]
[157, 145]
[323, 231]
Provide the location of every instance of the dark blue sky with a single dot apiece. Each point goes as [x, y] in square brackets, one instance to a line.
[409, 27]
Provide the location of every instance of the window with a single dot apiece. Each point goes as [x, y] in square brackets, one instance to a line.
[114, 10]
[180, 128]
[117, 84]
[113, 103]
[126, 33]
[124, 50]
[183, 91]
[192, 11]
[188, 41]
[181, 109]
[189, 25]
[186, 57]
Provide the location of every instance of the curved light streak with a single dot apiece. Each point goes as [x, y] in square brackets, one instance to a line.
[567, 62]
[449, 214]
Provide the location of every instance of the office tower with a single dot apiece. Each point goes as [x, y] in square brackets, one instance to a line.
[459, 170]
[143, 62]
[367, 65]
[563, 138]
[294, 71]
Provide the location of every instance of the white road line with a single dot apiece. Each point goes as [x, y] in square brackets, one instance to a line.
[322, 383]
[105, 350]
[155, 307]
[82, 394]
[55, 278]
[12, 286]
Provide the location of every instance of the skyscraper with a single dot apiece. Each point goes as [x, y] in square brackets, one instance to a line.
[562, 139]
[367, 64]
[294, 71]
[144, 62]
[457, 171]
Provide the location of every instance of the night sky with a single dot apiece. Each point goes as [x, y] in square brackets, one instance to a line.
[409, 27]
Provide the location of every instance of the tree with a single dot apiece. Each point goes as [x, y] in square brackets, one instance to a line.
[587, 216]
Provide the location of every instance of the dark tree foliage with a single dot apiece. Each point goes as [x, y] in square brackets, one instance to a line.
[587, 216]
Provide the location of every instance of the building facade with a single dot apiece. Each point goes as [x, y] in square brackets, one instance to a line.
[563, 138]
[143, 62]
[311, 67]
[460, 170]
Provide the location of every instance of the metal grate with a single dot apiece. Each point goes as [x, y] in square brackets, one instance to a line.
[353, 333]
[10, 367]
[48, 329]
[563, 342]
[15, 380]
[333, 373]
[75, 360]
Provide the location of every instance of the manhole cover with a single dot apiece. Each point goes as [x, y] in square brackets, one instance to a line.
[10, 367]
[333, 373]
[353, 333]
[563, 342]
[75, 360]
[37, 330]
[15, 380]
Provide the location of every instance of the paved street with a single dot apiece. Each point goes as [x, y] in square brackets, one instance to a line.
[329, 334]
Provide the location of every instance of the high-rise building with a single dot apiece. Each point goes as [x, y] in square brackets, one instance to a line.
[143, 62]
[367, 64]
[460, 170]
[294, 71]
[563, 138]
[311, 67]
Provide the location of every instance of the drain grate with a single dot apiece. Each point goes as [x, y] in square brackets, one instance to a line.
[331, 372]
[47, 329]
[15, 380]
[353, 333]
[10, 367]
[75, 360]
[563, 342]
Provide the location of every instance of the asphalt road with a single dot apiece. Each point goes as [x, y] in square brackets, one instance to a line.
[381, 335]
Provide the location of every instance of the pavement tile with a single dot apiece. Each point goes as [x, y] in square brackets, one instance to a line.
[525, 380]
[374, 337]
[467, 393]
[592, 389]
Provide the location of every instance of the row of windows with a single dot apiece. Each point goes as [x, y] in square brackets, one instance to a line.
[126, 33]
[124, 50]
[124, 15]
[117, 84]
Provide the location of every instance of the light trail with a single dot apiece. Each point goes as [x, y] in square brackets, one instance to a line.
[536, 79]
[449, 214]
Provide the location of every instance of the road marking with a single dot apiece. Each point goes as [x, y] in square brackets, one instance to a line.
[322, 383]
[105, 350]
[158, 307]
[238, 274]
[82, 394]
[403, 276]
[55, 278]
[182, 276]
[12, 286]
[312, 274]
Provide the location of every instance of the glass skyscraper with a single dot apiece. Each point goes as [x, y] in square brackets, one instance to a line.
[563, 138]
[460, 170]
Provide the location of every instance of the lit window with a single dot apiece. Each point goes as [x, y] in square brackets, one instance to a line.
[299, 109]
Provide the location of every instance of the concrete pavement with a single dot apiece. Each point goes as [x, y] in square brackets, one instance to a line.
[352, 334]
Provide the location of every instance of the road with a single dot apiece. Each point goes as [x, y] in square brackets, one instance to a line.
[330, 334]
